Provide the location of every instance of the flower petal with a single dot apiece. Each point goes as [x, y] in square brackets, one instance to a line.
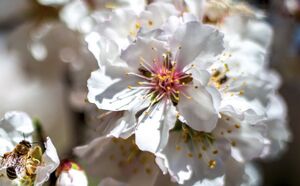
[198, 109]
[145, 49]
[50, 163]
[115, 94]
[153, 128]
[193, 40]
[16, 124]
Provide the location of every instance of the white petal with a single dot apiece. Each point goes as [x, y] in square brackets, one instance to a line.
[199, 111]
[120, 27]
[113, 93]
[196, 7]
[180, 159]
[125, 126]
[153, 128]
[6, 145]
[156, 13]
[50, 163]
[72, 178]
[144, 50]
[138, 167]
[105, 50]
[195, 40]
[16, 124]
[249, 137]
[111, 182]
[277, 130]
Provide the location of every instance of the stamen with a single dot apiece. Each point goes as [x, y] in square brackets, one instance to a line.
[189, 68]
[146, 65]
[140, 76]
[185, 95]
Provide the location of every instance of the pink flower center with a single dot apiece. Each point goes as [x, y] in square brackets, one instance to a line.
[163, 79]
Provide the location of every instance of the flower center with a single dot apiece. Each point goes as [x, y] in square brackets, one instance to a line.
[163, 79]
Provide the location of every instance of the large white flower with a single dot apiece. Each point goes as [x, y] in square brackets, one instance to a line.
[128, 166]
[159, 80]
[84, 15]
[14, 127]
[197, 156]
[119, 159]
[123, 26]
[277, 129]
[193, 6]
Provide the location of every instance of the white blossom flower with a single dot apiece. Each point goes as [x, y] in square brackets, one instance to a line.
[119, 159]
[70, 174]
[128, 166]
[193, 6]
[49, 163]
[159, 79]
[14, 127]
[84, 15]
[195, 156]
[237, 20]
[277, 129]
[123, 26]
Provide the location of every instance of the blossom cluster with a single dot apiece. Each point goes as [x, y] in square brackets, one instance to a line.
[182, 88]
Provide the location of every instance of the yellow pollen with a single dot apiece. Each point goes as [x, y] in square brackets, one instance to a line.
[110, 5]
[132, 33]
[212, 164]
[129, 87]
[137, 26]
[150, 22]
[190, 155]
[226, 67]
[178, 148]
[237, 126]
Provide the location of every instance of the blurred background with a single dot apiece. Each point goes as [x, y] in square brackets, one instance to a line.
[44, 67]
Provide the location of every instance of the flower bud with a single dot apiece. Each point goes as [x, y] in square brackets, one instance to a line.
[70, 174]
